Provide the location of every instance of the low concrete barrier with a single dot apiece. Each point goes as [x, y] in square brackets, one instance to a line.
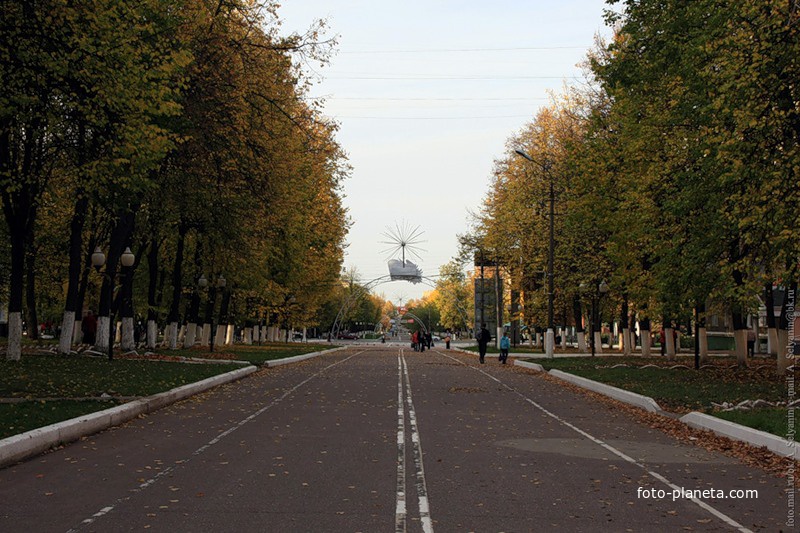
[531, 366]
[298, 358]
[735, 431]
[645, 402]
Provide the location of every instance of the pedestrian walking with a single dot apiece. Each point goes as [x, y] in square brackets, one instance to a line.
[447, 342]
[505, 345]
[483, 339]
[415, 341]
[751, 342]
[89, 328]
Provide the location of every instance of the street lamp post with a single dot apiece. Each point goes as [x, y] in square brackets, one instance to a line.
[98, 260]
[551, 336]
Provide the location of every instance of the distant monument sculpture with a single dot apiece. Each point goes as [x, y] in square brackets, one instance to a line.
[402, 237]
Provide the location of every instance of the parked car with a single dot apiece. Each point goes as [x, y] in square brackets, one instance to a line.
[348, 336]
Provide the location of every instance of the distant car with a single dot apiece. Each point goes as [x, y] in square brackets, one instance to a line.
[348, 336]
[437, 338]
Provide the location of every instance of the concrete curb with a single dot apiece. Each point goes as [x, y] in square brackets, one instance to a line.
[530, 366]
[645, 402]
[298, 358]
[18, 447]
[741, 433]
[694, 419]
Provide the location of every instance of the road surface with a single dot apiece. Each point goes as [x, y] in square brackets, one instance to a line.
[379, 438]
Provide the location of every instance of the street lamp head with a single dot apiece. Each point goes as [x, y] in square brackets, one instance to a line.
[221, 282]
[98, 258]
[603, 288]
[127, 258]
[524, 154]
[202, 281]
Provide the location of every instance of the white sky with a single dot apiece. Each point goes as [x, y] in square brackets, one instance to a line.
[427, 93]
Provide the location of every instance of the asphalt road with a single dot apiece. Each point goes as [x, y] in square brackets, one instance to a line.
[377, 439]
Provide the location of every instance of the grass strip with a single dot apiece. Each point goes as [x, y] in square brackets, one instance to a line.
[686, 389]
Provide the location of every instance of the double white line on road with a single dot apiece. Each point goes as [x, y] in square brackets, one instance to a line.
[401, 512]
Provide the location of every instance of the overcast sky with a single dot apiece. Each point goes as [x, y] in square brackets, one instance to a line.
[427, 93]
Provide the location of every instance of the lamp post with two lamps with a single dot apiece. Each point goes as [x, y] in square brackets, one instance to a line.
[98, 260]
[550, 337]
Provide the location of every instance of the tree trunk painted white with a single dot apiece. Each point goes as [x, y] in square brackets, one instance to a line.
[498, 337]
[670, 342]
[219, 336]
[77, 332]
[740, 338]
[703, 337]
[774, 346]
[645, 343]
[101, 340]
[152, 334]
[256, 333]
[247, 336]
[598, 342]
[283, 335]
[564, 339]
[229, 335]
[14, 352]
[181, 334]
[305, 332]
[172, 335]
[191, 334]
[117, 332]
[582, 342]
[205, 338]
[67, 329]
[625, 341]
[127, 343]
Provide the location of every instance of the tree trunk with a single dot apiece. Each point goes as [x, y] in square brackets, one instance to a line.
[177, 288]
[120, 235]
[127, 341]
[644, 329]
[740, 338]
[577, 315]
[152, 289]
[624, 325]
[32, 319]
[73, 277]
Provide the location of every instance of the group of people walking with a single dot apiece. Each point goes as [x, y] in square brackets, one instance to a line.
[421, 340]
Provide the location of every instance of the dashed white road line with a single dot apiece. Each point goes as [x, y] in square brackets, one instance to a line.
[703, 505]
[105, 510]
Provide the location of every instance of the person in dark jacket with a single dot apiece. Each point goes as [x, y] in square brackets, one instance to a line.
[483, 339]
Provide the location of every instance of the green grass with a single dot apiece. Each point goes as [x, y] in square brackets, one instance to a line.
[63, 381]
[255, 354]
[771, 420]
[37, 376]
[679, 389]
[21, 417]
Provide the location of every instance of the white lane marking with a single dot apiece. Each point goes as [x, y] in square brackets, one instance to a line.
[400, 507]
[422, 488]
[703, 505]
[200, 450]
